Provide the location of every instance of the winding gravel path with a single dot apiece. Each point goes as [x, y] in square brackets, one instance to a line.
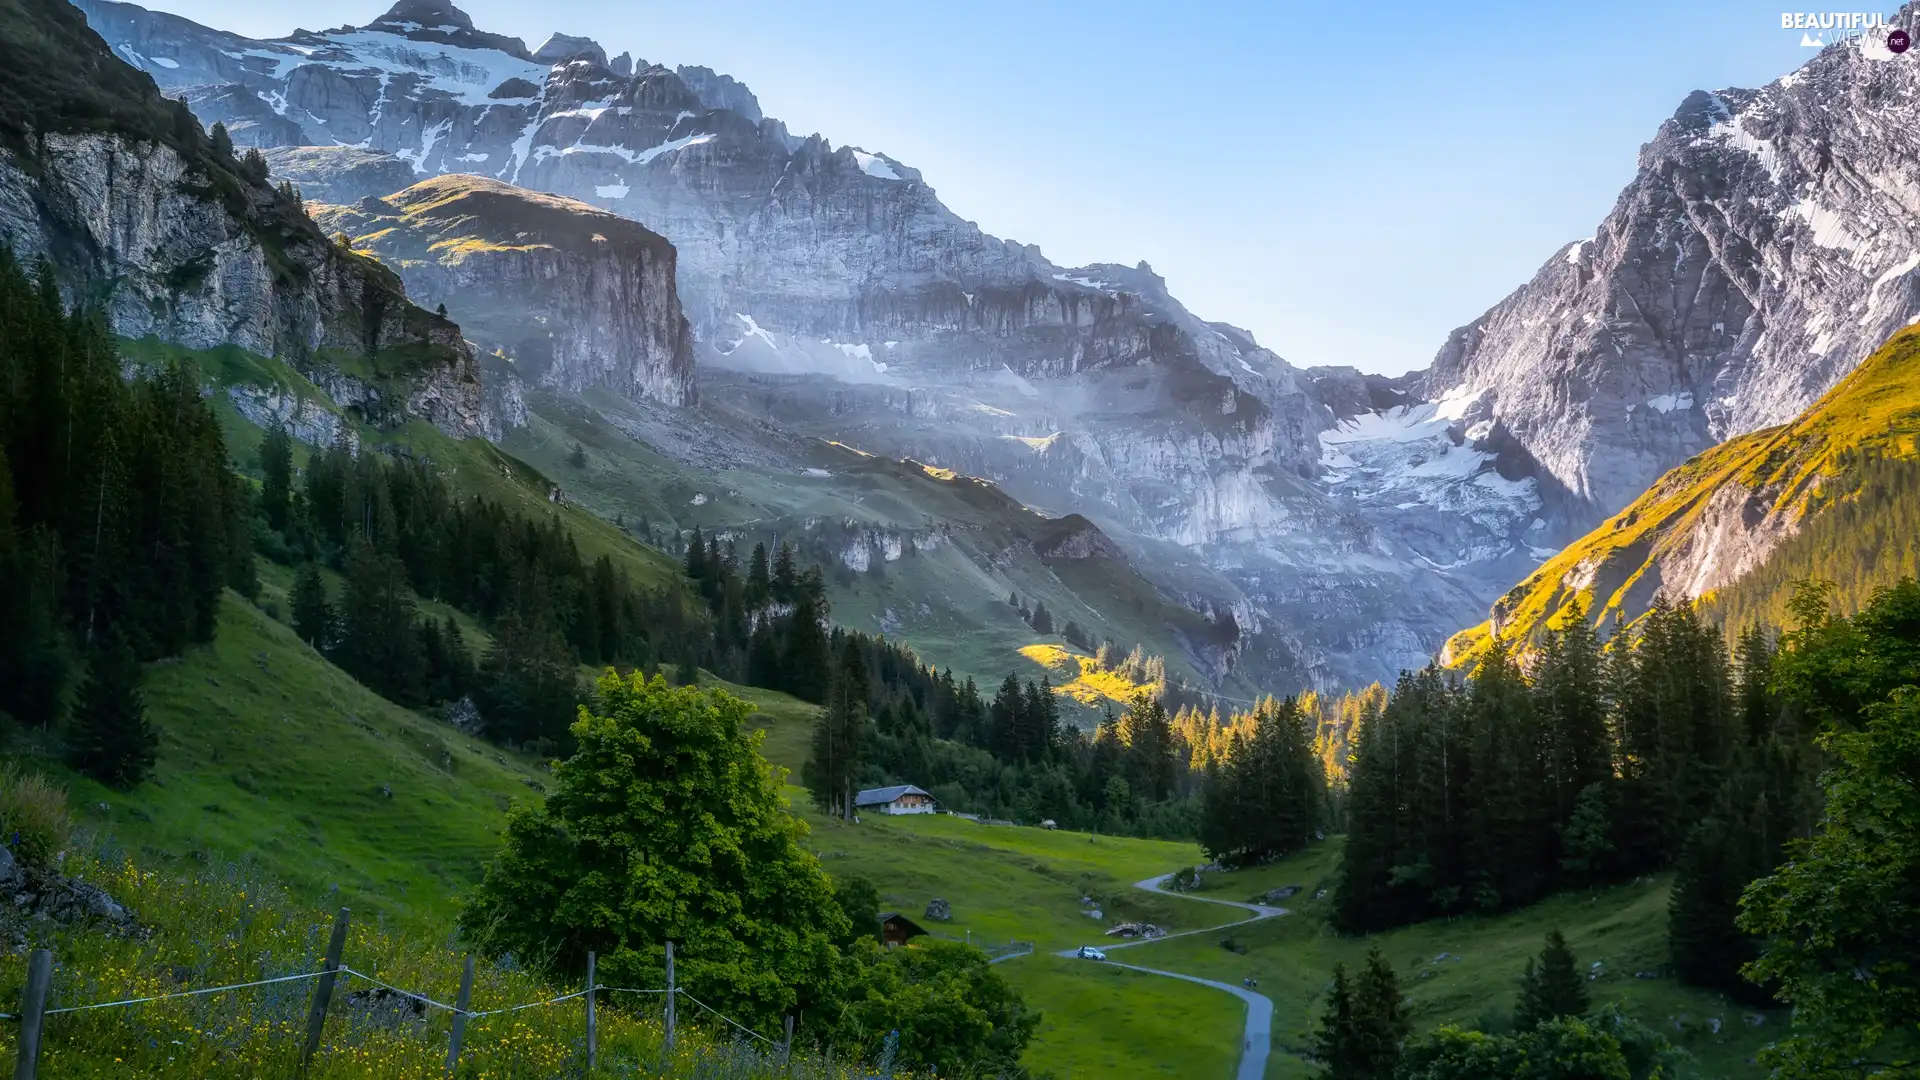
[1258, 1040]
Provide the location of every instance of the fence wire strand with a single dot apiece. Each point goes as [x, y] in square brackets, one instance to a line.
[422, 998]
[723, 1016]
[180, 994]
[529, 1005]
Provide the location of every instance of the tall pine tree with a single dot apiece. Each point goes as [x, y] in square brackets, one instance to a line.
[111, 739]
[1551, 989]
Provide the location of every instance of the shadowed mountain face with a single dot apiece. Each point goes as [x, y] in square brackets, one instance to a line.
[1341, 521]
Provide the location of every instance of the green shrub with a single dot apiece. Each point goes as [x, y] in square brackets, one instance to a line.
[34, 821]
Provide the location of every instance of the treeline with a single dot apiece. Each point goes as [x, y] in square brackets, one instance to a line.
[1660, 748]
[1208, 743]
[120, 524]
[1597, 764]
[396, 531]
[1267, 796]
[1780, 891]
[891, 720]
[1366, 1031]
[1863, 536]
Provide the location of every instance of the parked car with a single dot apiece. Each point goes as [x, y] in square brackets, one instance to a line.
[1088, 952]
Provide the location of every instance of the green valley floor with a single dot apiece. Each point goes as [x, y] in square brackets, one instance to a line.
[273, 756]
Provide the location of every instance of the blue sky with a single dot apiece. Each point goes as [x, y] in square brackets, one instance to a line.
[1349, 188]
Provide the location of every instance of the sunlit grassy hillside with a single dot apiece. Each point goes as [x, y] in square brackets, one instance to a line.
[1718, 515]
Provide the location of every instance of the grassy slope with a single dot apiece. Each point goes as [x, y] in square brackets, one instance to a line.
[472, 466]
[948, 602]
[1624, 928]
[1616, 567]
[1078, 676]
[271, 754]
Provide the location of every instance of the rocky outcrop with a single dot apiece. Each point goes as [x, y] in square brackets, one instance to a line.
[560, 48]
[1769, 242]
[571, 296]
[1348, 522]
[131, 227]
[339, 174]
[144, 220]
[1074, 537]
[44, 894]
[891, 322]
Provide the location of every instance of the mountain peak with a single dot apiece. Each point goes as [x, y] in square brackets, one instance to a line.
[441, 21]
[427, 13]
[559, 48]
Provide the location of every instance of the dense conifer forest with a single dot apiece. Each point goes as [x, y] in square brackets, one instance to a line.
[120, 524]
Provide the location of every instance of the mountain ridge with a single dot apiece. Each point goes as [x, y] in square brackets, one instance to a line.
[1765, 248]
[1352, 521]
[1712, 521]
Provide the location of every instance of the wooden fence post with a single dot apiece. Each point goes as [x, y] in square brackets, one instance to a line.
[460, 1017]
[786, 1046]
[33, 1013]
[592, 1049]
[323, 988]
[672, 992]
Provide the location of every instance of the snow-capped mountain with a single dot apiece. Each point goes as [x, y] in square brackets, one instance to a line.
[1080, 389]
[1765, 247]
[1768, 244]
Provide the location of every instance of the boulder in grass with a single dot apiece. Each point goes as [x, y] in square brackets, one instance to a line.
[939, 910]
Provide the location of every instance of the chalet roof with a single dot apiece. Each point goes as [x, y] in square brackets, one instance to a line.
[913, 928]
[881, 796]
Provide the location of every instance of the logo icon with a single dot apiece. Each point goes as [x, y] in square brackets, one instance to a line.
[1898, 41]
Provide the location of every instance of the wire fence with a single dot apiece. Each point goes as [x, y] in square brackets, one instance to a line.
[34, 1011]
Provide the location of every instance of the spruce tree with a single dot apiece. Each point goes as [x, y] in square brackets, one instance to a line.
[1586, 840]
[696, 561]
[312, 615]
[1336, 1045]
[1552, 989]
[1365, 1024]
[34, 662]
[1509, 818]
[526, 688]
[1570, 704]
[276, 485]
[838, 751]
[759, 581]
[111, 739]
[785, 579]
[1147, 733]
[379, 633]
[805, 658]
[1003, 719]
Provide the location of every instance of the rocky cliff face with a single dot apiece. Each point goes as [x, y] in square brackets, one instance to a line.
[141, 217]
[571, 296]
[1768, 244]
[885, 320]
[126, 227]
